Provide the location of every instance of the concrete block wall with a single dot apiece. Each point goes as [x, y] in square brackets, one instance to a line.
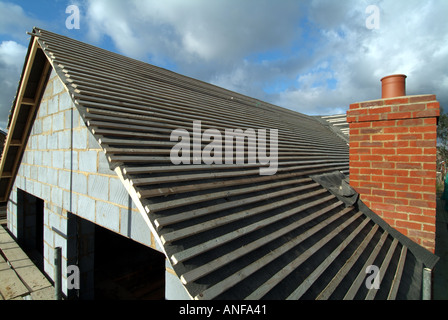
[64, 165]
[174, 290]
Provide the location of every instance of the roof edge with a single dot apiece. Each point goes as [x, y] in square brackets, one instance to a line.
[25, 105]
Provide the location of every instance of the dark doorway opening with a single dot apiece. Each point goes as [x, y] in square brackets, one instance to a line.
[127, 270]
[30, 222]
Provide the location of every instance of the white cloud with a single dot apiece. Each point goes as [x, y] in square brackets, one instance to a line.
[412, 39]
[315, 57]
[213, 40]
[12, 56]
[14, 21]
[194, 31]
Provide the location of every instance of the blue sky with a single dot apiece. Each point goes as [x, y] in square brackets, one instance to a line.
[314, 56]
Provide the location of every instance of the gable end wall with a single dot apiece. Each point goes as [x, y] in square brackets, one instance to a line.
[64, 165]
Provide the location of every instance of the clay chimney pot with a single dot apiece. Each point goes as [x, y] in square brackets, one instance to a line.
[393, 86]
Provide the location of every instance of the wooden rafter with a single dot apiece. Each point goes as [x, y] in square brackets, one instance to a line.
[31, 106]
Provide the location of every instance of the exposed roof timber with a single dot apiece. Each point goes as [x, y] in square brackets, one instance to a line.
[33, 80]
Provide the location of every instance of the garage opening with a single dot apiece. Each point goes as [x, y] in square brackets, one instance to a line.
[127, 270]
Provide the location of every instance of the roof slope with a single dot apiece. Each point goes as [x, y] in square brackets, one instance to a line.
[229, 232]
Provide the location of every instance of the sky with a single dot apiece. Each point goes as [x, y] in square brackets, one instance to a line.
[314, 56]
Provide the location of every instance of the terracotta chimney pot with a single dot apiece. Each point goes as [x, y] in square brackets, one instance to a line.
[393, 86]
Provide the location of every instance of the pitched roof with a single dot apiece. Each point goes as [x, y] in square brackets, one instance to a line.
[228, 231]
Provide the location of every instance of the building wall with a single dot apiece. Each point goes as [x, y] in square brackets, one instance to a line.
[64, 165]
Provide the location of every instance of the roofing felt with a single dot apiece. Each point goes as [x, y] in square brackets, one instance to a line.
[229, 232]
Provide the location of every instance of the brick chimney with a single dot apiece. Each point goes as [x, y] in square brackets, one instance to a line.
[393, 158]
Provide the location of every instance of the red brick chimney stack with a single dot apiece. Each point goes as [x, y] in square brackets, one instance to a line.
[393, 158]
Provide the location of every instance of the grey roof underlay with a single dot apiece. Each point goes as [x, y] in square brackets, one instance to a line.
[229, 232]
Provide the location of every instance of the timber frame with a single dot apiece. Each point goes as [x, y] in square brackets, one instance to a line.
[32, 84]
